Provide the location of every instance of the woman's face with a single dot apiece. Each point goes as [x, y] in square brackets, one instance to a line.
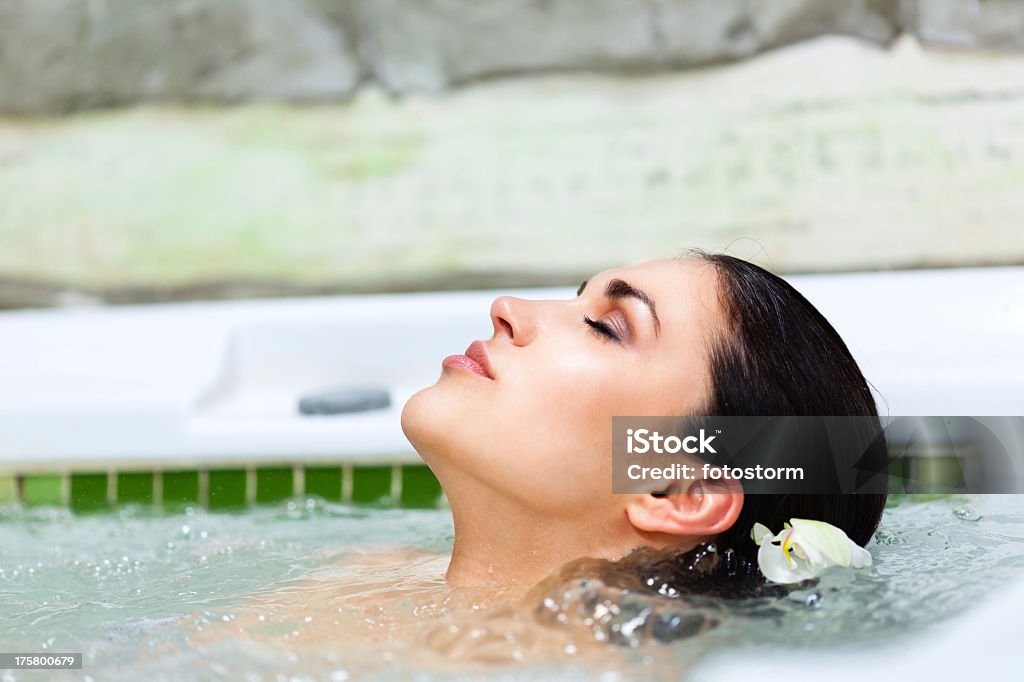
[538, 433]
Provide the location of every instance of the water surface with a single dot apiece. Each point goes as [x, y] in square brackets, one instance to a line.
[308, 590]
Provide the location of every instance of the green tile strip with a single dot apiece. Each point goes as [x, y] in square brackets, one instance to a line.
[897, 475]
[43, 489]
[133, 486]
[410, 485]
[419, 486]
[227, 488]
[89, 491]
[8, 489]
[324, 481]
[935, 474]
[274, 484]
[180, 487]
[371, 484]
[346, 483]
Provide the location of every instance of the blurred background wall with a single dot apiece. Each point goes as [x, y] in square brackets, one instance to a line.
[169, 149]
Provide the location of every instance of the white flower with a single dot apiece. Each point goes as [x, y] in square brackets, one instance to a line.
[803, 550]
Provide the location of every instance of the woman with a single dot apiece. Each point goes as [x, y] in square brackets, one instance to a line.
[518, 430]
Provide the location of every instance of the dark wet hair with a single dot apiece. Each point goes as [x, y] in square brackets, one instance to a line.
[779, 356]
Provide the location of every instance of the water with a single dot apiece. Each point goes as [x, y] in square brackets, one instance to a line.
[309, 590]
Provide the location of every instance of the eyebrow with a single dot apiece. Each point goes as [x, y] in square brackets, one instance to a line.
[617, 289]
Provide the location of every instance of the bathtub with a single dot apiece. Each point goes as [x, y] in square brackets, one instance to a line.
[198, 403]
[187, 383]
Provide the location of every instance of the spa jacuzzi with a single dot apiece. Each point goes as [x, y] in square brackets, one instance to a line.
[124, 430]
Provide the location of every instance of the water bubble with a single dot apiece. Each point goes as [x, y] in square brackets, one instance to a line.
[813, 600]
[185, 530]
[966, 513]
[339, 675]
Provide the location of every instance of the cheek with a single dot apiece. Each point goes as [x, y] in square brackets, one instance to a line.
[557, 430]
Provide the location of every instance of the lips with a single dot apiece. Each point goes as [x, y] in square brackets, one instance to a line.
[478, 354]
[475, 360]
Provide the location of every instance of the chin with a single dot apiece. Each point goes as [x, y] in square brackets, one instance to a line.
[423, 421]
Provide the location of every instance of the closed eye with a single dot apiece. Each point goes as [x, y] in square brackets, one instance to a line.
[602, 329]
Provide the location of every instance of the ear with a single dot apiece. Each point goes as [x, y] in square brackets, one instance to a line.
[700, 508]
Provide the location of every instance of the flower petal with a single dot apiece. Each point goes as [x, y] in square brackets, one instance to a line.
[772, 562]
[759, 532]
[777, 568]
[859, 557]
[825, 540]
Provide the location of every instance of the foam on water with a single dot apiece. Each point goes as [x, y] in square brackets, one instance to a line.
[312, 590]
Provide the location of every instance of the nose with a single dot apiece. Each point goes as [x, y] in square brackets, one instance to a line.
[513, 317]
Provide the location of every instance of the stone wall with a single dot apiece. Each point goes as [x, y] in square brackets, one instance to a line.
[66, 55]
[822, 156]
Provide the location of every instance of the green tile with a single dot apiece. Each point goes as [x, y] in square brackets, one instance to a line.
[180, 487]
[135, 486]
[8, 489]
[324, 481]
[419, 486]
[273, 484]
[42, 489]
[227, 488]
[88, 491]
[371, 484]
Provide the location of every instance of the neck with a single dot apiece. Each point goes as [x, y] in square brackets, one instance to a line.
[497, 542]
